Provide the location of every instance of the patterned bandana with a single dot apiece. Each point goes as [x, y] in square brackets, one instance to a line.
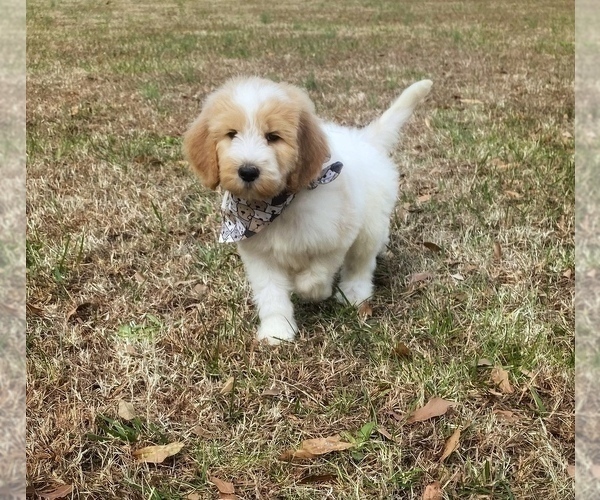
[244, 218]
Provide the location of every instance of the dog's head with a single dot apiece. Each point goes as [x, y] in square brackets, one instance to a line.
[256, 139]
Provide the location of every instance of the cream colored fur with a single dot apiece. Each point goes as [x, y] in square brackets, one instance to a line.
[337, 227]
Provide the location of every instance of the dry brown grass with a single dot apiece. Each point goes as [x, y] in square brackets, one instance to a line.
[132, 298]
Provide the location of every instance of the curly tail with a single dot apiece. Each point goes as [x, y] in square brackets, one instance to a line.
[384, 132]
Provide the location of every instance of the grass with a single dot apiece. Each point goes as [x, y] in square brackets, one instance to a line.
[133, 300]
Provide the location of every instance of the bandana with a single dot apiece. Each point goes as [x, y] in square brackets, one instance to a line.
[244, 218]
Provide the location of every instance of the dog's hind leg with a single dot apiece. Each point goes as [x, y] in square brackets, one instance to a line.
[315, 283]
[356, 277]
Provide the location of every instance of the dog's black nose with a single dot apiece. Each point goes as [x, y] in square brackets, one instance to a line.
[248, 173]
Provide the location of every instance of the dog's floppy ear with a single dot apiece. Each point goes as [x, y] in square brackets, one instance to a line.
[201, 151]
[312, 148]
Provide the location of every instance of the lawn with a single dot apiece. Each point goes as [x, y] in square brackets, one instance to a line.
[140, 325]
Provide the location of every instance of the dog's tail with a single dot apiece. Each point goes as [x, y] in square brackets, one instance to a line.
[385, 130]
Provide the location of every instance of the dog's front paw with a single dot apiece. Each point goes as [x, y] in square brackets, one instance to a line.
[277, 329]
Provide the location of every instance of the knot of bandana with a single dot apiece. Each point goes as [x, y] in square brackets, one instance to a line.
[244, 218]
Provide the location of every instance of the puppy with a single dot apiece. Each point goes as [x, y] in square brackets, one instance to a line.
[324, 193]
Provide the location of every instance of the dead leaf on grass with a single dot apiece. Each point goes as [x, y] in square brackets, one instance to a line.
[126, 410]
[81, 311]
[193, 496]
[139, 278]
[402, 351]
[315, 447]
[415, 278]
[500, 378]
[385, 433]
[571, 470]
[157, 454]
[513, 194]
[60, 492]
[423, 198]
[200, 431]
[568, 273]
[435, 407]
[451, 444]
[458, 277]
[433, 491]
[507, 416]
[365, 310]
[224, 487]
[497, 251]
[395, 415]
[228, 386]
[273, 391]
[432, 246]
[34, 310]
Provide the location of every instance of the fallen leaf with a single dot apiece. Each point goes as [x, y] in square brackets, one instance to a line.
[435, 407]
[34, 310]
[432, 246]
[126, 410]
[60, 492]
[433, 491]
[458, 277]
[401, 350]
[526, 372]
[513, 194]
[318, 479]
[395, 415]
[200, 431]
[273, 392]
[320, 446]
[484, 362]
[193, 496]
[415, 278]
[223, 486]
[365, 310]
[571, 470]
[568, 273]
[451, 444]
[157, 454]
[385, 433]
[500, 378]
[507, 415]
[228, 386]
[81, 311]
[424, 198]
[497, 251]
[200, 290]
[138, 277]
[314, 447]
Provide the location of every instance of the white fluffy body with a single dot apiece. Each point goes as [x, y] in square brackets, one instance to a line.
[337, 227]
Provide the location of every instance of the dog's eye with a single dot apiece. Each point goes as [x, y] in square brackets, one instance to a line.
[231, 134]
[272, 137]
